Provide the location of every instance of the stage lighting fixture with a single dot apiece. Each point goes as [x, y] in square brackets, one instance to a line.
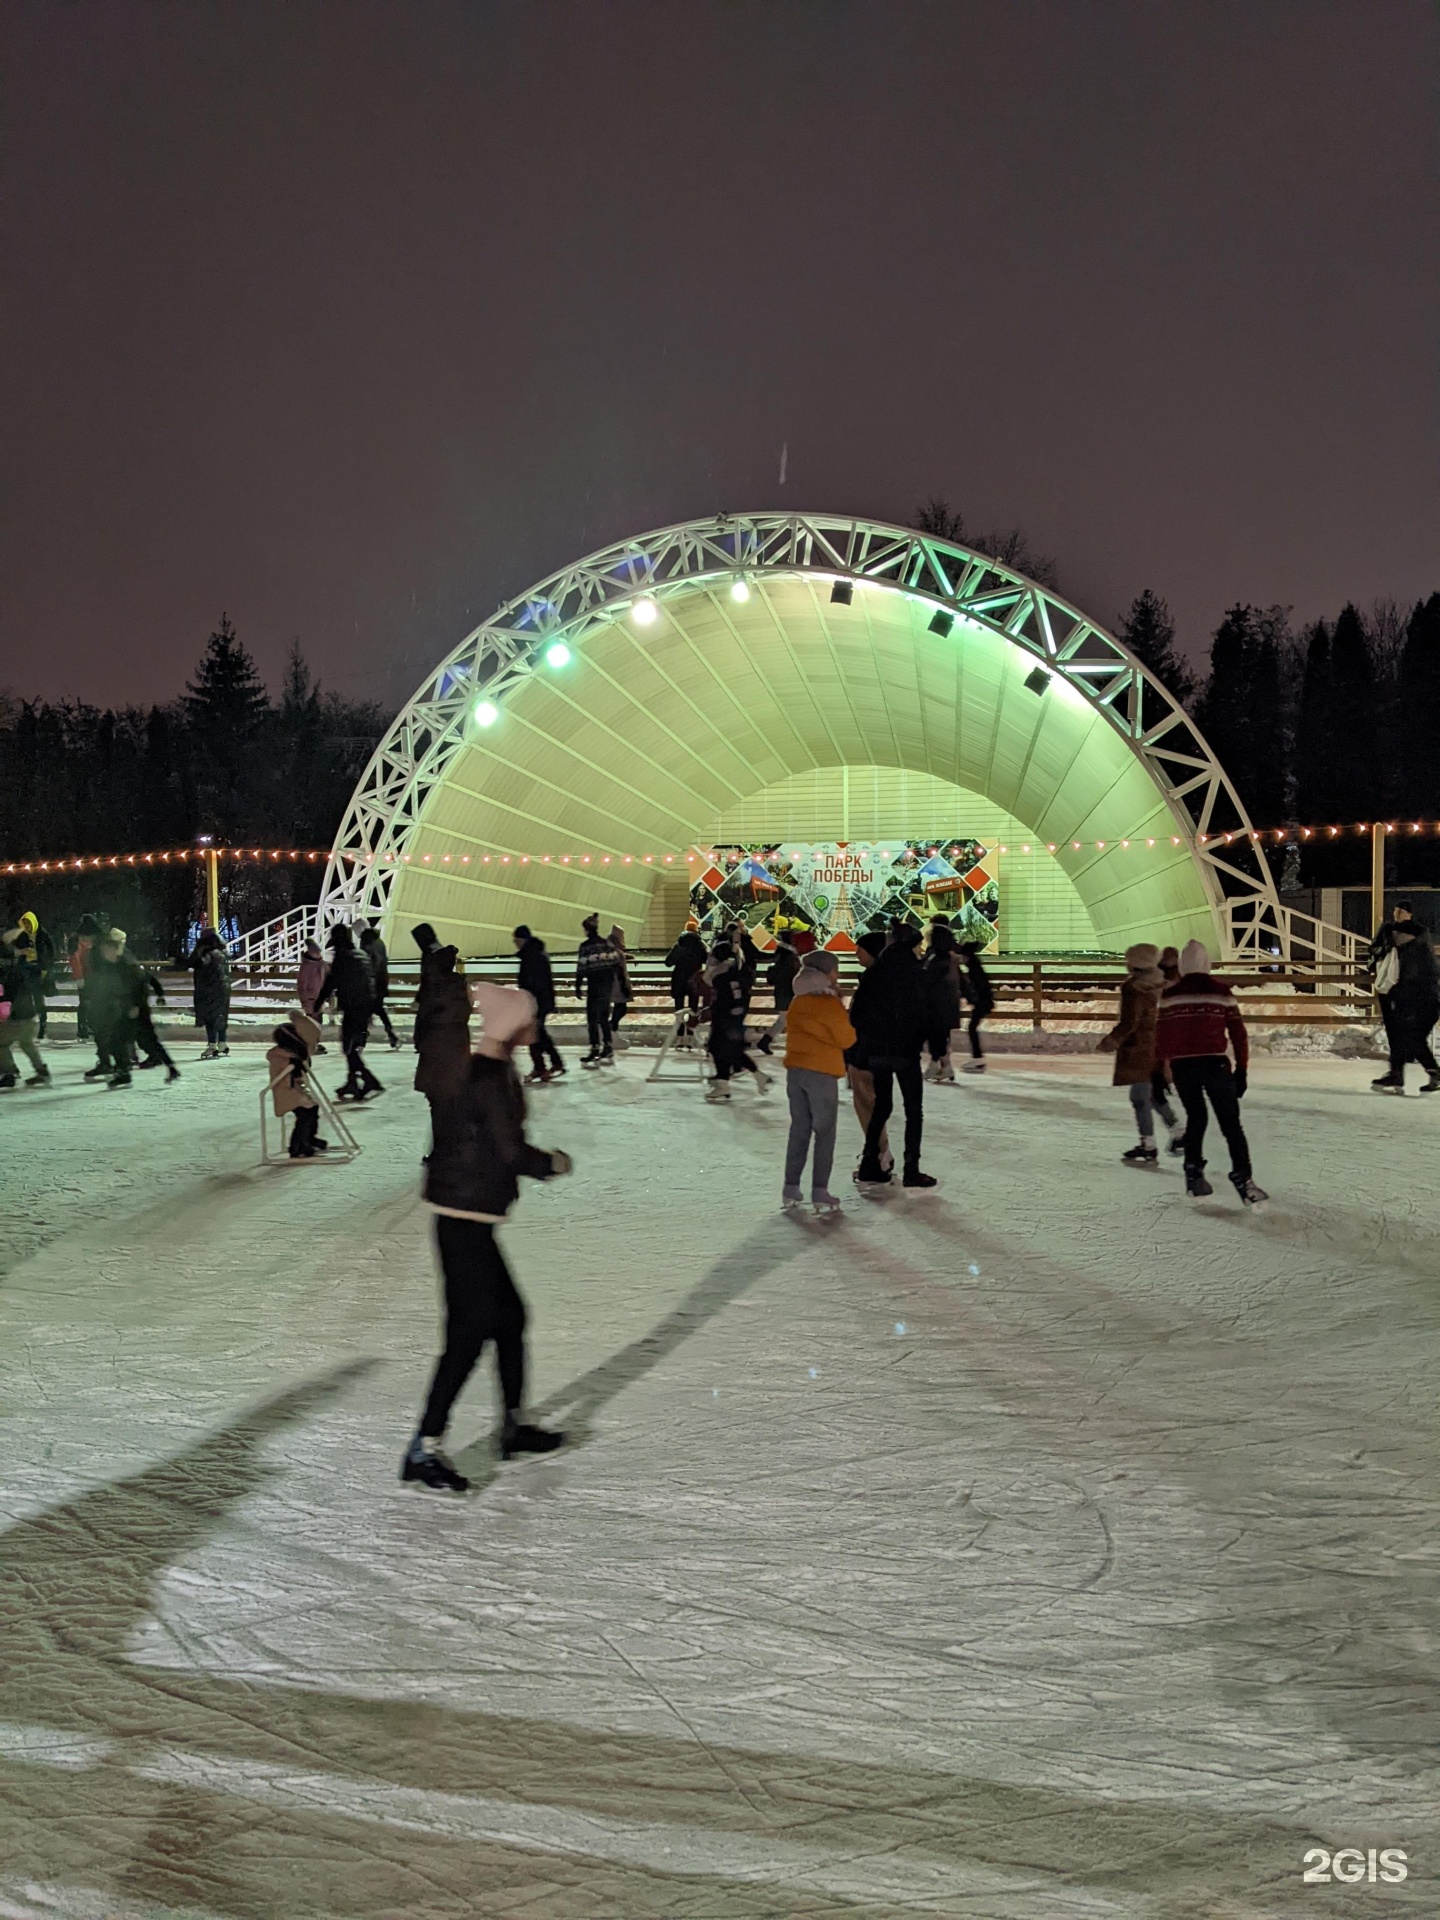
[558, 655]
[740, 590]
[646, 613]
[486, 714]
[1038, 680]
[942, 623]
[841, 593]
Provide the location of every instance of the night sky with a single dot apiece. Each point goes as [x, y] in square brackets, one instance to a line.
[353, 319]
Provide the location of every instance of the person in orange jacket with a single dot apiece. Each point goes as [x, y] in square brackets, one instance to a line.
[817, 1032]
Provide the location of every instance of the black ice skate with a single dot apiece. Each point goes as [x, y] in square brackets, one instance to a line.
[1389, 1083]
[914, 1179]
[1432, 1085]
[516, 1437]
[1248, 1191]
[434, 1472]
[1196, 1185]
[1141, 1157]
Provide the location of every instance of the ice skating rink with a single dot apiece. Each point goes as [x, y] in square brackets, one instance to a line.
[1047, 1547]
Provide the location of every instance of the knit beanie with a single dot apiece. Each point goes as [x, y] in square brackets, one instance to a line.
[504, 1011]
[1195, 957]
[872, 942]
[821, 961]
[425, 937]
[1142, 957]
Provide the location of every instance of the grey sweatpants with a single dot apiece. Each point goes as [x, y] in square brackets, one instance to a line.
[814, 1105]
[1143, 1100]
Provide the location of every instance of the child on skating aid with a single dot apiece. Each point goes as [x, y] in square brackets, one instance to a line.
[1132, 1041]
[289, 1064]
[817, 1033]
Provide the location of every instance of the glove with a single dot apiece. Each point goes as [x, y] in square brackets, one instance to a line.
[561, 1162]
[1241, 1081]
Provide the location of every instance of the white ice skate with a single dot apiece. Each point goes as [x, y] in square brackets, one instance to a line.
[718, 1092]
[826, 1203]
[762, 1080]
[791, 1199]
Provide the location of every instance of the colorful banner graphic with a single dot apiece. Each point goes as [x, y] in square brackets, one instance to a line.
[837, 889]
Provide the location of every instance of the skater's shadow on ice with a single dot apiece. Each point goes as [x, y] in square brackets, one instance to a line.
[577, 1404]
[185, 1789]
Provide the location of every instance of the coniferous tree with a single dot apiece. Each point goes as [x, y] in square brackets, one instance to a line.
[1314, 784]
[1239, 711]
[1417, 714]
[1149, 632]
[226, 707]
[1358, 776]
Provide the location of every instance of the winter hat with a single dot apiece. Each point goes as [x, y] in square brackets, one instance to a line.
[1195, 957]
[522, 932]
[341, 940]
[312, 950]
[289, 1038]
[504, 1011]
[1142, 958]
[617, 938]
[368, 936]
[425, 937]
[591, 923]
[1170, 960]
[820, 961]
[872, 942]
[113, 937]
[904, 933]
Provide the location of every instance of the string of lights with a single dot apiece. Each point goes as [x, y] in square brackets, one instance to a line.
[1257, 836]
[79, 862]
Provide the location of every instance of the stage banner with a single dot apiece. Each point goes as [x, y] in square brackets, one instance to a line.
[834, 890]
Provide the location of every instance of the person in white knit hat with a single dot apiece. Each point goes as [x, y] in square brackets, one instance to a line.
[1198, 1020]
[472, 1179]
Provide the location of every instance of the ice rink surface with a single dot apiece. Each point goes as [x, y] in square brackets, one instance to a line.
[1047, 1547]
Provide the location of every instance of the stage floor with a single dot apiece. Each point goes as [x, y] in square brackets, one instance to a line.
[1046, 1547]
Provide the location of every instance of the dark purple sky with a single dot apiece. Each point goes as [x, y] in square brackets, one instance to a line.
[353, 319]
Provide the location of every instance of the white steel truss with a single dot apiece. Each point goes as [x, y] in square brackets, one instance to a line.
[388, 804]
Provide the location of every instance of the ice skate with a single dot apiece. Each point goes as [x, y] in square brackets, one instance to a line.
[102, 1073]
[825, 1203]
[945, 1074]
[117, 1080]
[973, 1066]
[40, 1079]
[433, 1471]
[791, 1199]
[1432, 1085]
[607, 1059]
[172, 1074]
[225, 1052]
[919, 1182]
[1141, 1156]
[146, 1064]
[1389, 1083]
[718, 1092]
[876, 1176]
[8, 1080]
[538, 1079]
[516, 1437]
[762, 1081]
[763, 1045]
[590, 1060]
[1248, 1191]
[210, 1053]
[1176, 1142]
[1196, 1185]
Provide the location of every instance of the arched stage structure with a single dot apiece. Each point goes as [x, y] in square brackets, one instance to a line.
[755, 678]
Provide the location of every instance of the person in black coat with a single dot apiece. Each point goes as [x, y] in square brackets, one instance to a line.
[1414, 1008]
[351, 984]
[376, 953]
[942, 984]
[891, 1015]
[538, 980]
[784, 965]
[595, 965]
[211, 963]
[686, 961]
[472, 1179]
[981, 995]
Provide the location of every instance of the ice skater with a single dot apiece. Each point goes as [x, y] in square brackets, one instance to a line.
[868, 949]
[891, 1017]
[289, 1063]
[1198, 1020]
[211, 962]
[378, 959]
[472, 1179]
[22, 1000]
[351, 984]
[724, 975]
[442, 1026]
[686, 961]
[942, 986]
[621, 993]
[816, 1036]
[1410, 1003]
[309, 978]
[784, 966]
[1132, 1041]
[981, 996]
[537, 978]
[595, 962]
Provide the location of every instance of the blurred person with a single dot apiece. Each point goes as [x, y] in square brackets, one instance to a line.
[816, 1037]
[1132, 1041]
[375, 952]
[350, 982]
[537, 978]
[1198, 1020]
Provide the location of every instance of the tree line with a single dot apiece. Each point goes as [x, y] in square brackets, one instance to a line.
[1336, 723]
[224, 759]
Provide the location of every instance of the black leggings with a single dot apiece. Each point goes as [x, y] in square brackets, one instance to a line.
[597, 1013]
[1209, 1074]
[977, 1052]
[885, 1073]
[544, 1054]
[480, 1304]
[354, 1032]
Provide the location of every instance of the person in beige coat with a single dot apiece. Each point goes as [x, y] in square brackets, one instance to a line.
[289, 1064]
[1132, 1041]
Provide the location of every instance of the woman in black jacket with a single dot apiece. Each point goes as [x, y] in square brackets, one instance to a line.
[211, 962]
[472, 1179]
[1414, 1006]
[537, 978]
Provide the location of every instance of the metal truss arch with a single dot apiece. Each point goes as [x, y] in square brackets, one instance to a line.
[387, 807]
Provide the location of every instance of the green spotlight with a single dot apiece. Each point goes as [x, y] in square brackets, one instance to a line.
[558, 655]
[486, 714]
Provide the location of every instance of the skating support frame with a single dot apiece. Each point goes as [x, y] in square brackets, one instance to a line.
[670, 1045]
[343, 1146]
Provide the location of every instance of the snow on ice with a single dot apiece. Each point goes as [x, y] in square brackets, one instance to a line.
[1049, 1546]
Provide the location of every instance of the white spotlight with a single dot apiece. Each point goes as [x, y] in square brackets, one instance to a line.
[486, 714]
[646, 613]
[740, 590]
[558, 655]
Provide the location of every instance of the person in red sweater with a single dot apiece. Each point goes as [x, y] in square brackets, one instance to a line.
[1198, 1021]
